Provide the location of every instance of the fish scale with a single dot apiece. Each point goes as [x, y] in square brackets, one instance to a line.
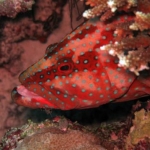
[75, 73]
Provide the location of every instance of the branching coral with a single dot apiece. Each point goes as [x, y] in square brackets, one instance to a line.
[132, 44]
[142, 21]
[11, 8]
[106, 8]
[133, 53]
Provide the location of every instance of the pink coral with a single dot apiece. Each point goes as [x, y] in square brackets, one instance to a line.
[11, 8]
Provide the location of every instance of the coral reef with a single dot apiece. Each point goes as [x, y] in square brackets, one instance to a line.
[9, 53]
[48, 12]
[34, 27]
[139, 135]
[12, 33]
[22, 29]
[120, 133]
[48, 136]
[11, 8]
[132, 45]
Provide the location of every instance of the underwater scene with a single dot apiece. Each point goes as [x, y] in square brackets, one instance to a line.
[75, 74]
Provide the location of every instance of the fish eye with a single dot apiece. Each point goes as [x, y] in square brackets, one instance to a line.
[64, 67]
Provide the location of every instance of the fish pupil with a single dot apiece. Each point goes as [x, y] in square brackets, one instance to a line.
[64, 68]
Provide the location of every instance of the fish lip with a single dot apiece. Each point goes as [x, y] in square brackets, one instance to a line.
[22, 96]
[22, 90]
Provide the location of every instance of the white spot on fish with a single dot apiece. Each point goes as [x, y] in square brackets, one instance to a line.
[106, 81]
[130, 80]
[91, 94]
[72, 99]
[107, 88]
[37, 103]
[83, 90]
[96, 57]
[97, 31]
[67, 82]
[65, 95]
[97, 80]
[90, 43]
[85, 70]
[85, 61]
[56, 77]
[78, 39]
[90, 50]
[83, 81]
[87, 27]
[65, 60]
[74, 49]
[82, 53]
[95, 71]
[91, 85]
[101, 95]
[97, 42]
[77, 62]
[73, 85]
[68, 51]
[48, 80]
[98, 88]
[60, 83]
[103, 37]
[68, 37]
[115, 92]
[58, 92]
[97, 65]
[103, 73]
[76, 70]
[48, 73]
[49, 93]
[70, 75]
[63, 77]
[84, 45]
[86, 35]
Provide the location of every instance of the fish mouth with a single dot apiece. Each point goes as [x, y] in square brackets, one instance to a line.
[22, 96]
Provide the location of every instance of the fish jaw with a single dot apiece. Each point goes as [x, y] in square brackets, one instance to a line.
[25, 95]
[22, 96]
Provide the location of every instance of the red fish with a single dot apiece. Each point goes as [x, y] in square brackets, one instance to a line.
[77, 74]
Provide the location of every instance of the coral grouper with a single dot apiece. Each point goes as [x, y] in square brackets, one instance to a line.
[75, 73]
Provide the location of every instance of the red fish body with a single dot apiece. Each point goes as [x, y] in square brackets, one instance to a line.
[77, 74]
